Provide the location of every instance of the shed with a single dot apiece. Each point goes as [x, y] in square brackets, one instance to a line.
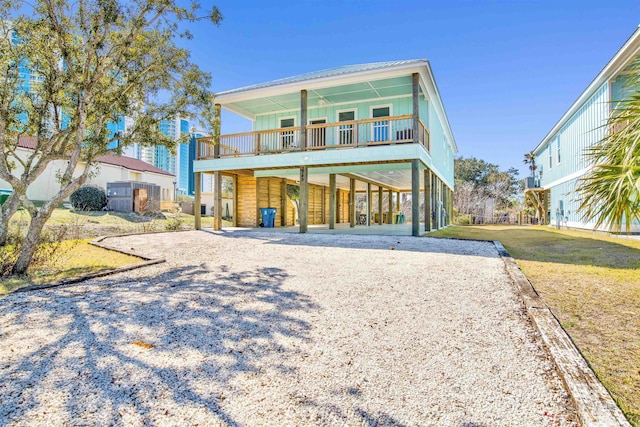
[133, 196]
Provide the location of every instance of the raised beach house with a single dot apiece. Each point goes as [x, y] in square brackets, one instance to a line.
[560, 156]
[375, 129]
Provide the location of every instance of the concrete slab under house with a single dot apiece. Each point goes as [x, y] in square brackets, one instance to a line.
[368, 146]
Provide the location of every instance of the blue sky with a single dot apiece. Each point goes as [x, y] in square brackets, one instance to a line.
[506, 70]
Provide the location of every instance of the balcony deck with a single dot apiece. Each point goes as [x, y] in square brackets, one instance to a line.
[348, 134]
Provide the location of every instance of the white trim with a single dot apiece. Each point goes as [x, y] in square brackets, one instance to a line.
[322, 82]
[337, 104]
[372, 107]
[317, 133]
[355, 117]
[567, 178]
[388, 154]
[438, 107]
[620, 60]
[372, 126]
[280, 119]
[423, 68]
[287, 137]
[345, 110]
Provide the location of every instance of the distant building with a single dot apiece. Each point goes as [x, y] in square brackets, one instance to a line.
[206, 181]
[183, 160]
[560, 158]
[110, 168]
[161, 157]
[177, 166]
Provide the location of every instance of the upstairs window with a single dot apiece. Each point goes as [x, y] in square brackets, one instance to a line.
[287, 137]
[287, 123]
[380, 129]
[558, 149]
[345, 132]
[380, 112]
[346, 116]
[550, 156]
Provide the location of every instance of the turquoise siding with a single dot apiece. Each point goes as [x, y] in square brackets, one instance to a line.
[563, 197]
[441, 152]
[399, 106]
[584, 129]
[617, 89]
[424, 111]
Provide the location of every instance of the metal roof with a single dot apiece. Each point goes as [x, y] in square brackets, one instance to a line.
[620, 60]
[330, 72]
[317, 83]
[30, 143]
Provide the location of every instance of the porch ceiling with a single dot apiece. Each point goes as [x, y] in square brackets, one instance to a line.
[397, 178]
[320, 97]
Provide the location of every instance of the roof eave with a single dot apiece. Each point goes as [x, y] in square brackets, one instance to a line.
[422, 67]
[316, 83]
[620, 60]
[452, 141]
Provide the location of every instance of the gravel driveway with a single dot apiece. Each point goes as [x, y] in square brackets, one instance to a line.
[253, 328]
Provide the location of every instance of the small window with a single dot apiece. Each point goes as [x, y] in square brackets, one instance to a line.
[558, 148]
[287, 123]
[345, 132]
[380, 129]
[550, 156]
[317, 137]
[287, 138]
[380, 112]
[346, 116]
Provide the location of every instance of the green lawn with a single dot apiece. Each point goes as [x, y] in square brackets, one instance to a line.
[81, 258]
[591, 282]
[76, 258]
[82, 225]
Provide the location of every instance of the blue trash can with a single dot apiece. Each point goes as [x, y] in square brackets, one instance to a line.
[268, 217]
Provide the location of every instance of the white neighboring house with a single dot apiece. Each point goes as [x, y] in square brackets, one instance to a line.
[107, 168]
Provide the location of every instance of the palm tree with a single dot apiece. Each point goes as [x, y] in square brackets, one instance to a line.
[610, 191]
[530, 159]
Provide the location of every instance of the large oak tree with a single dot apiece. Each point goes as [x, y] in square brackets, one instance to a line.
[90, 62]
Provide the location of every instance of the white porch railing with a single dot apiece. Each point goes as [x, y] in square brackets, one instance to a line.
[356, 133]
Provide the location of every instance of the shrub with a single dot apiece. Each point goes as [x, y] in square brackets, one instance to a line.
[88, 198]
[184, 198]
[463, 220]
[50, 251]
[173, 224]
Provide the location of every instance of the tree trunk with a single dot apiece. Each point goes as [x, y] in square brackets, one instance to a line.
[30, 243]
[39, 217]
[7, 210]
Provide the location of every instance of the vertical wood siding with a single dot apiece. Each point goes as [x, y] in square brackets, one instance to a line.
[270, 196]
[585, 128]
[342, 209]
[326, 204]
[247, 202]
[315, 204]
